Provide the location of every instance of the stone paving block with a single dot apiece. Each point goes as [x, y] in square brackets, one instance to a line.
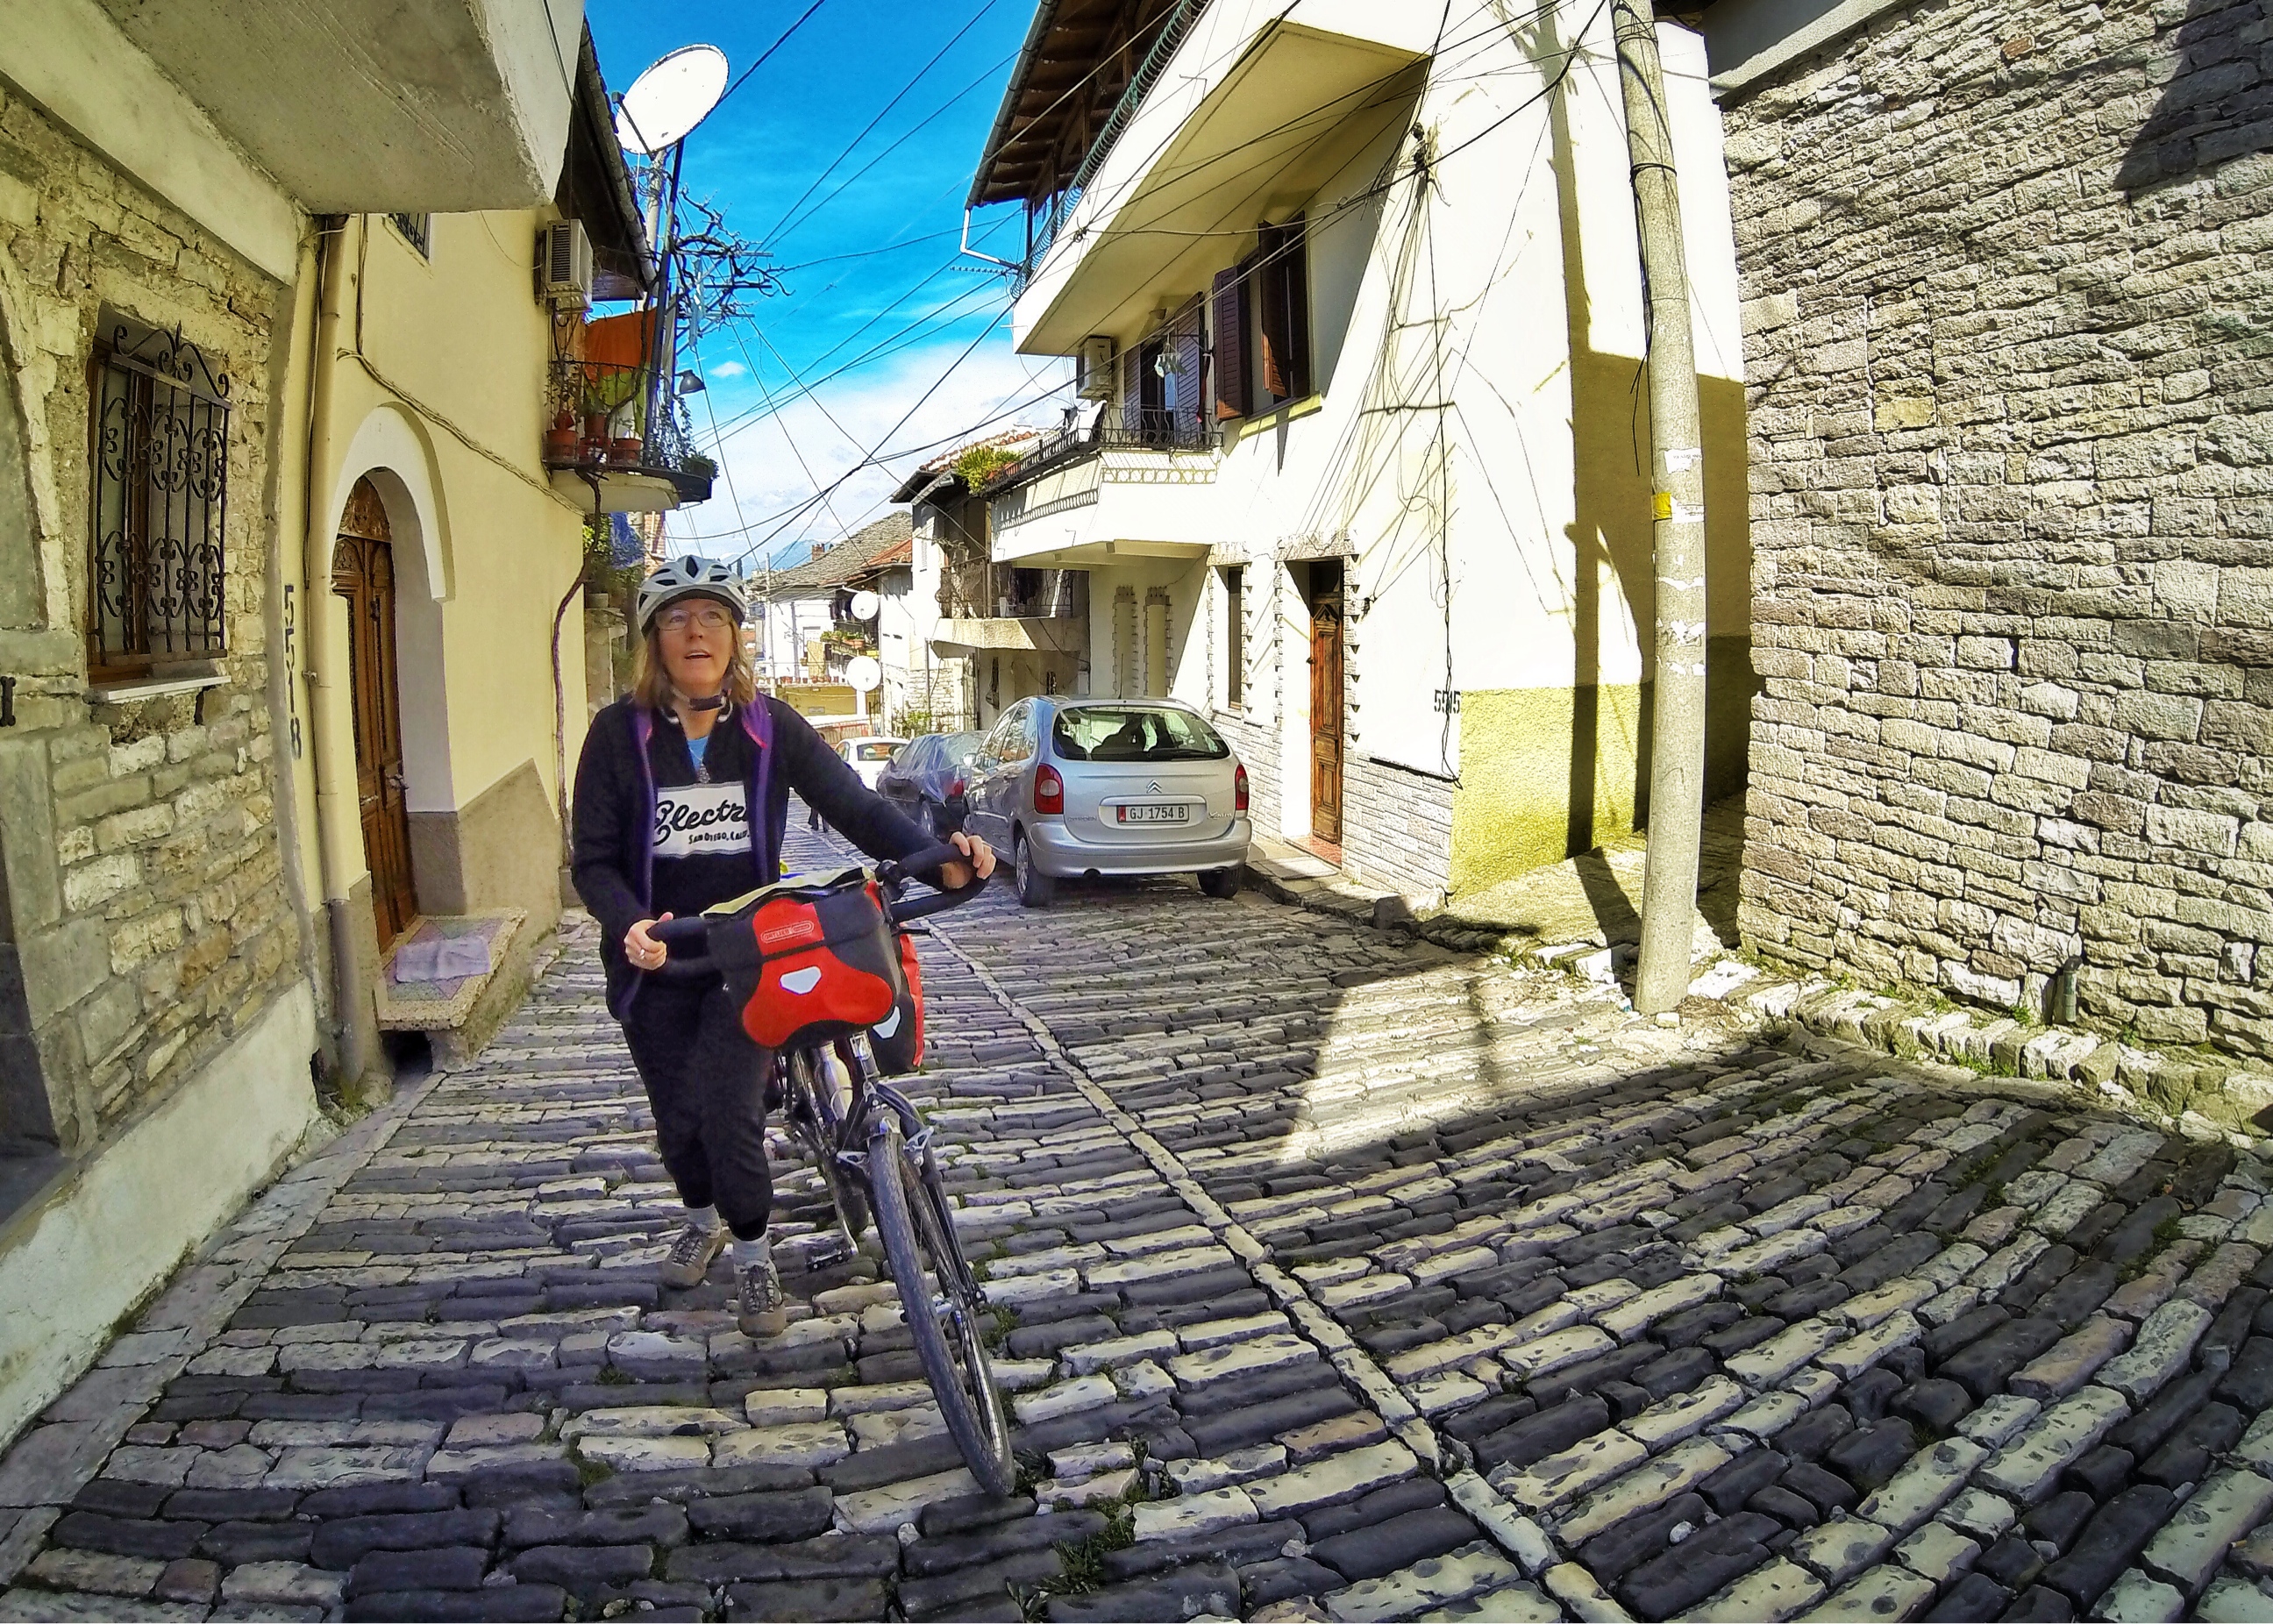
[1937, 1552]
[1997, 1421]
[1888, 1593]
[2188, 1549]
[1841, 1548]
[1980, 1515]
[2165, 1341]
[1672, 1473]
[804, 1443]
[1576, 1470]
[1782, 1589]
[1425, 1585]
[882, 1510]
[1336, 1477]
[1851, 1358]
[1186, 1515]
[2027, 1467]
[2138, 1598]
[1769, 1363]
[1932, 1477]
[2071, 1362]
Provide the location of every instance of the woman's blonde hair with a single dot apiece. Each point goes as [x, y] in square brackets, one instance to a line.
[651, 682]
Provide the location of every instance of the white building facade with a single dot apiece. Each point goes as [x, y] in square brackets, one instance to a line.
[1363, 470]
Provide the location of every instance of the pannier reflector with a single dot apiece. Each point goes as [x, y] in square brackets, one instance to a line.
[801, 980]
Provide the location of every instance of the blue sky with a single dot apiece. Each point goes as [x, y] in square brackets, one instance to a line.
[754, 158]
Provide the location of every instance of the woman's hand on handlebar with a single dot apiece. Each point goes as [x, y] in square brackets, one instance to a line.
[955, 875]
[643, 951]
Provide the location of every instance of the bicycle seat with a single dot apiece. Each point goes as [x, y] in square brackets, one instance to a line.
[797, 885]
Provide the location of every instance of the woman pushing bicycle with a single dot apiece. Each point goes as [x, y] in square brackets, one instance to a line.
[682, 795]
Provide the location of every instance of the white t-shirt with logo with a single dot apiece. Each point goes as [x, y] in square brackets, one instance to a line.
[703, 820]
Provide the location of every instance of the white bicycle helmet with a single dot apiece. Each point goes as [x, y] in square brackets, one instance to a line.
[690, 578]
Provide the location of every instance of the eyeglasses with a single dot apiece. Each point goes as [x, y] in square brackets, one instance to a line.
[709, 618]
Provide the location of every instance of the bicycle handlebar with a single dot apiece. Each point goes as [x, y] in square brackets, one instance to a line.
[891, 875]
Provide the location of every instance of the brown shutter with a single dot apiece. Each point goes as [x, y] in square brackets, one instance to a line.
[1132, 388]
[1295, 281]
[1229, 297]
[1190, 357]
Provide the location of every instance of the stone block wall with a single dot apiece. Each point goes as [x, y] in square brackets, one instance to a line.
[1397, 827]
[2009, 352]
[146, 918]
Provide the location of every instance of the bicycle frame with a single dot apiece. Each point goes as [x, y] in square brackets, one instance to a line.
[843, 1135]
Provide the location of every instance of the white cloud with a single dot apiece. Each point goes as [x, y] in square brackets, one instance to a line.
[728, 369]
[761, 478]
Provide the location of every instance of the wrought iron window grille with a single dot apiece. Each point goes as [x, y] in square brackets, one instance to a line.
[417, 230]
[157, 567]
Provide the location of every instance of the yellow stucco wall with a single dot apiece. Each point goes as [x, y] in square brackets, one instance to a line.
[445, 411]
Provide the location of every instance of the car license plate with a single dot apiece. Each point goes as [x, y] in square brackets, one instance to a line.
[1149, 813]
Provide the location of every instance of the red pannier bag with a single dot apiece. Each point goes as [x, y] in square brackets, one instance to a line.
[813, 958]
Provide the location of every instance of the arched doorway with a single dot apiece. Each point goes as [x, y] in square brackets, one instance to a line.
[362, 572]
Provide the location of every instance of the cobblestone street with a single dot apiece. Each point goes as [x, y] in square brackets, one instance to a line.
[1340, 1276]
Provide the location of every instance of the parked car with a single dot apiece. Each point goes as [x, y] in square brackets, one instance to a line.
[869, 756]
[1068, 787]
[925, 780]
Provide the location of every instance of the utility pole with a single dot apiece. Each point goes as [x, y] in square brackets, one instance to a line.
[1676, 775]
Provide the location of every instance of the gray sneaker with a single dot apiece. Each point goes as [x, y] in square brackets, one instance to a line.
[763, 1309]
[689, 1257]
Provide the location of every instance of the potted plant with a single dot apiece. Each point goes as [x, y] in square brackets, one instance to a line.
[560, 439]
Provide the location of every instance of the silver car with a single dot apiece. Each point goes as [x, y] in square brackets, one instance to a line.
[1074, 787]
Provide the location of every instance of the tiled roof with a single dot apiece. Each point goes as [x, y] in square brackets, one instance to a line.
[1008, 439]
[864, 550]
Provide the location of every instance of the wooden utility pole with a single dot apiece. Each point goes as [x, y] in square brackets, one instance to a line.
[1676, 776]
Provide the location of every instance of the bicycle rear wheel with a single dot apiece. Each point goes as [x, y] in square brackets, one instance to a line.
[944, 1321]
[807, 1118]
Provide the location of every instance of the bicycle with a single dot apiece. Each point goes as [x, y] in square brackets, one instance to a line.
[868, 1142]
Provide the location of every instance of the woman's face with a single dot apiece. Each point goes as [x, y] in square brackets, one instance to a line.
[697, 637]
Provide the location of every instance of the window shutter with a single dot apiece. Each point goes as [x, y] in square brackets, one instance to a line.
[1229, 297]
[1295, 278]
[1190, 361]
[1132, 388]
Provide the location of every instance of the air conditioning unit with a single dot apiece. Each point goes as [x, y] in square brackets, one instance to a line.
[564, 264]
[1095, 377]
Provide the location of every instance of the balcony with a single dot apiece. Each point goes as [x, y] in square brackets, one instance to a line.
[617, 446]
[1087, 493]
[1014, 610]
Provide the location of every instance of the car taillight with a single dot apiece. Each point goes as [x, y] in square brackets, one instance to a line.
[1239, 790]
[1049, 790]
[955, 789]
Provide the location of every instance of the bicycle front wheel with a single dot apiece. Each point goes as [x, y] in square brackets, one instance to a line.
[942, 1318]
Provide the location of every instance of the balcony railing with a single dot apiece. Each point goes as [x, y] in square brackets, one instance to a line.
[603, 424]
[1159, 431]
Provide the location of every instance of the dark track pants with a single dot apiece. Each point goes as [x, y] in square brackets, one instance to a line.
[705, 1081]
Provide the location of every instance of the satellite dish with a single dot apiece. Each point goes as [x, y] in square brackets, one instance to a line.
[864, 673]
[665, 103]
[865, 605]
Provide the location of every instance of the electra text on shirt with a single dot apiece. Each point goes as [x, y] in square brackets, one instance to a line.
[701, 820]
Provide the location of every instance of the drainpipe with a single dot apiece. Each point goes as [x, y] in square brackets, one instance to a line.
[317, 629]
[1676, 778]
[561, 691]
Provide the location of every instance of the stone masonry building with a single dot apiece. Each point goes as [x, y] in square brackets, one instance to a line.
[2009, 352]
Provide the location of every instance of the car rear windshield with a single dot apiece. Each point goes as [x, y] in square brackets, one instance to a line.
[1134, 733]
[873, 753]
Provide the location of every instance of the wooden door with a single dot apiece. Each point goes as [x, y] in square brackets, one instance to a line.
[1326, 702]
[362, 572]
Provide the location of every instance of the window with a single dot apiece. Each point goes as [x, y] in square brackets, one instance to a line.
[1282, 300]
[156, 565]
[1235, 636]
[1261, 314]
[1134, 733]
[417, 230]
